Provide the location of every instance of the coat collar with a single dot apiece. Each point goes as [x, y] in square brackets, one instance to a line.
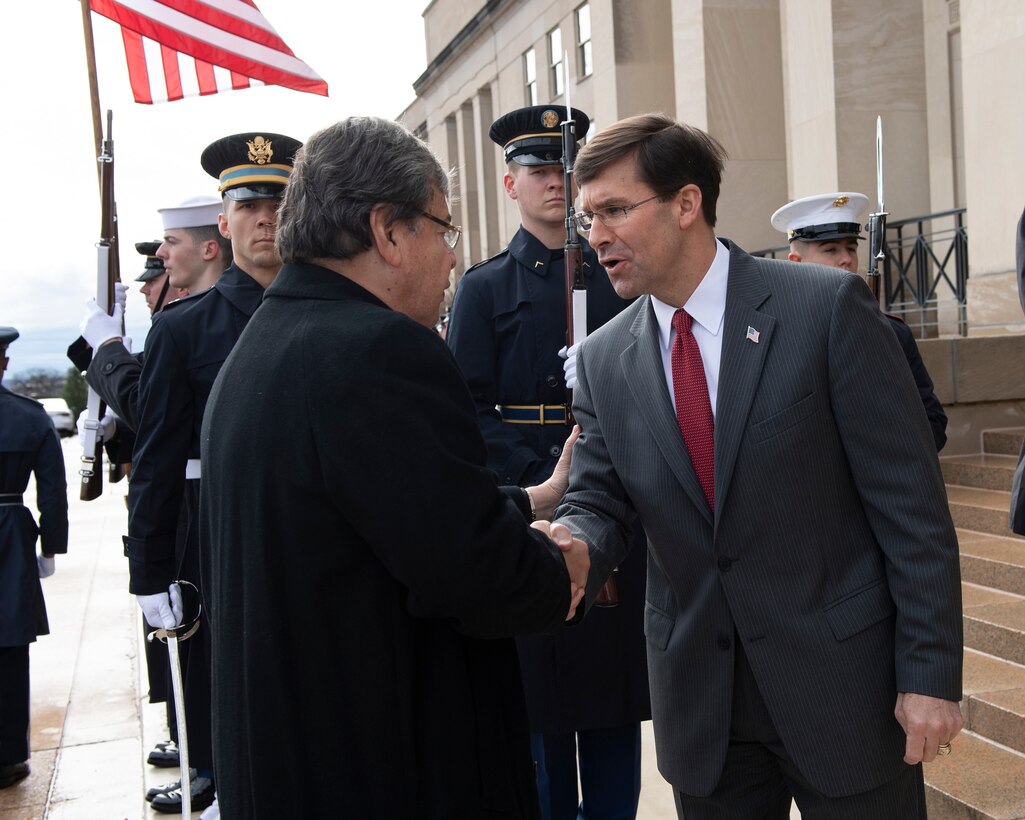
[302, 280]
[531, 253]
[240, 289]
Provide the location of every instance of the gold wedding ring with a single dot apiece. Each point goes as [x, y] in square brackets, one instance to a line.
[943, 749]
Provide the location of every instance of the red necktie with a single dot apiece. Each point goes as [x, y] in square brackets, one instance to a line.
[693, 409]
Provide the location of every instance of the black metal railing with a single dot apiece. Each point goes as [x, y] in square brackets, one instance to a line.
[926, 256]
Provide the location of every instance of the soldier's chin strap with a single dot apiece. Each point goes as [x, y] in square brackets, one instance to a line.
[163, 294]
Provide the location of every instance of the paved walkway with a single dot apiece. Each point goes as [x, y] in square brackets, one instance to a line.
[91, 722]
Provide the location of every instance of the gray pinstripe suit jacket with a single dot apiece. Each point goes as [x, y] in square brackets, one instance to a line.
[831, 552]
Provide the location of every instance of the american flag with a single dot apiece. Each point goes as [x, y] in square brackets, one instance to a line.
[182, 48]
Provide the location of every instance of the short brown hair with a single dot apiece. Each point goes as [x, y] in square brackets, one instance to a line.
[669, 155]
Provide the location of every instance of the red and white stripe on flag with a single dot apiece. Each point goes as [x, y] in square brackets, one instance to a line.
[184, 48]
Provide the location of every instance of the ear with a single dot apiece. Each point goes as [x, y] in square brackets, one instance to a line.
[688, 200]
[222, 225]
[385, 236]
[210, 249]
[510, 185]
[794, 256]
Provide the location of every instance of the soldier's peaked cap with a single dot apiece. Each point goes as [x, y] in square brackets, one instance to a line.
[7, 335]
[254, 165]
[822, 217]
[154, 264]
[533, 136]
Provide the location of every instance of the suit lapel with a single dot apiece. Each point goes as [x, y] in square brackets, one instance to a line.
[642, 368]
[741, 365]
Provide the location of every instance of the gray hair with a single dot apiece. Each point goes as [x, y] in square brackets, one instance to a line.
[341, 174]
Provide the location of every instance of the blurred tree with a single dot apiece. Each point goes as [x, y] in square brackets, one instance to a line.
[38, 383]
[75, 391]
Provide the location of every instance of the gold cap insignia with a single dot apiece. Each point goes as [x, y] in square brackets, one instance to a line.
[549, 119]
[260, 150]
[840, 201]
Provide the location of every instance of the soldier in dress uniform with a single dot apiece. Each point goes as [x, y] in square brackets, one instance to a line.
[587, 688]
[825, 229]
[186, 346]
[156, 289]
[28, 445]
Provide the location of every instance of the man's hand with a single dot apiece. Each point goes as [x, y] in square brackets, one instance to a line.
[47, 566]
[161, 609]
[97, 327]
[121, 295]
[569, 366]
[547, 495]
[928, 723]
[107, 429]
[576, 556]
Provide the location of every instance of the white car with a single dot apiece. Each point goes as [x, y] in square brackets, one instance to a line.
[60, 415]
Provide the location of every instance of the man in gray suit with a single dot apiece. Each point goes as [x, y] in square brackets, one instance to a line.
[803, 612]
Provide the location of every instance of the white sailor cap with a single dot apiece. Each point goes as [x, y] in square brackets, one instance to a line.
[821, 217]
[194, 212]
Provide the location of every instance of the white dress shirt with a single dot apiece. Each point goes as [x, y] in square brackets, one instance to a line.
[706, 306]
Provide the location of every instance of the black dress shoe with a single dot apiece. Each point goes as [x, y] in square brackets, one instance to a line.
[11, 773]
[171, 802]
[164, 755]
[167, 787]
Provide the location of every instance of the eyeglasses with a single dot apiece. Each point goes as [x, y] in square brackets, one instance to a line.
[616, 215]
[452, 232]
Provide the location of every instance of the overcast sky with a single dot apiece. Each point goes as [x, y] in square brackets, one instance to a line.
[369, 54]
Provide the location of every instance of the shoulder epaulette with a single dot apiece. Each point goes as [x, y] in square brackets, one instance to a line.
[184, 300]
[501, 253]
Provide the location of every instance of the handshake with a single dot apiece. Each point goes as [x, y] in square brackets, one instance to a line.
[576, 556]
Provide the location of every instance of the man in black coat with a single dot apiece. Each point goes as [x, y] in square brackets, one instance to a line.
[587, 688]
[28, 445]
[365, 570]
[824, 229]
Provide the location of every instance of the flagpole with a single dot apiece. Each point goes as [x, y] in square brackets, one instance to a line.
[94, 87]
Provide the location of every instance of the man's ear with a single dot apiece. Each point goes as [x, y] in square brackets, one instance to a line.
[510, 185]
[210, 249]
[385, 236]
[222, 225]
[688, 201]
[794, 256]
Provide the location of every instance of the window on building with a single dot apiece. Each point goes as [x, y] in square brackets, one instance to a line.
[530, 76]
[585, 65]
[555, 61]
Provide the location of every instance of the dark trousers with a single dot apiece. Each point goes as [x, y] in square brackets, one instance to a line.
[14, 704]
[610, 773]
[759, 779]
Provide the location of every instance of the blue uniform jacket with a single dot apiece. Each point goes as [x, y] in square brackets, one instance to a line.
[186, 346]
[28, 444]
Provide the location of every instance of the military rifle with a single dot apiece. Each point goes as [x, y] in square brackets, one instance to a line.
[877, 222]
[107, 273]
[576, 292]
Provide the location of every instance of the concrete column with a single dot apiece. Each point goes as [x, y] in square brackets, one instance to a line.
[487, 218]
[744, 94]
[469, 192]
[993, 67]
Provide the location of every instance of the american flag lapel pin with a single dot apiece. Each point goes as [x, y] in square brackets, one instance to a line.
[752, 334]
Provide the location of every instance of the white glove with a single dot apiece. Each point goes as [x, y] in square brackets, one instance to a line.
[569, 367]
[174, 592]
[159, 608]
[127, 342]
[97, 327]
[121, 295]
[108, 426]
[47, 566]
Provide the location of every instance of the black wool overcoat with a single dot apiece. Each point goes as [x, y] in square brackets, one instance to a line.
[364, 572]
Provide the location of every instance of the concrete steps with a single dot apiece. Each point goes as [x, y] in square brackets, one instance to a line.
[985, 777]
